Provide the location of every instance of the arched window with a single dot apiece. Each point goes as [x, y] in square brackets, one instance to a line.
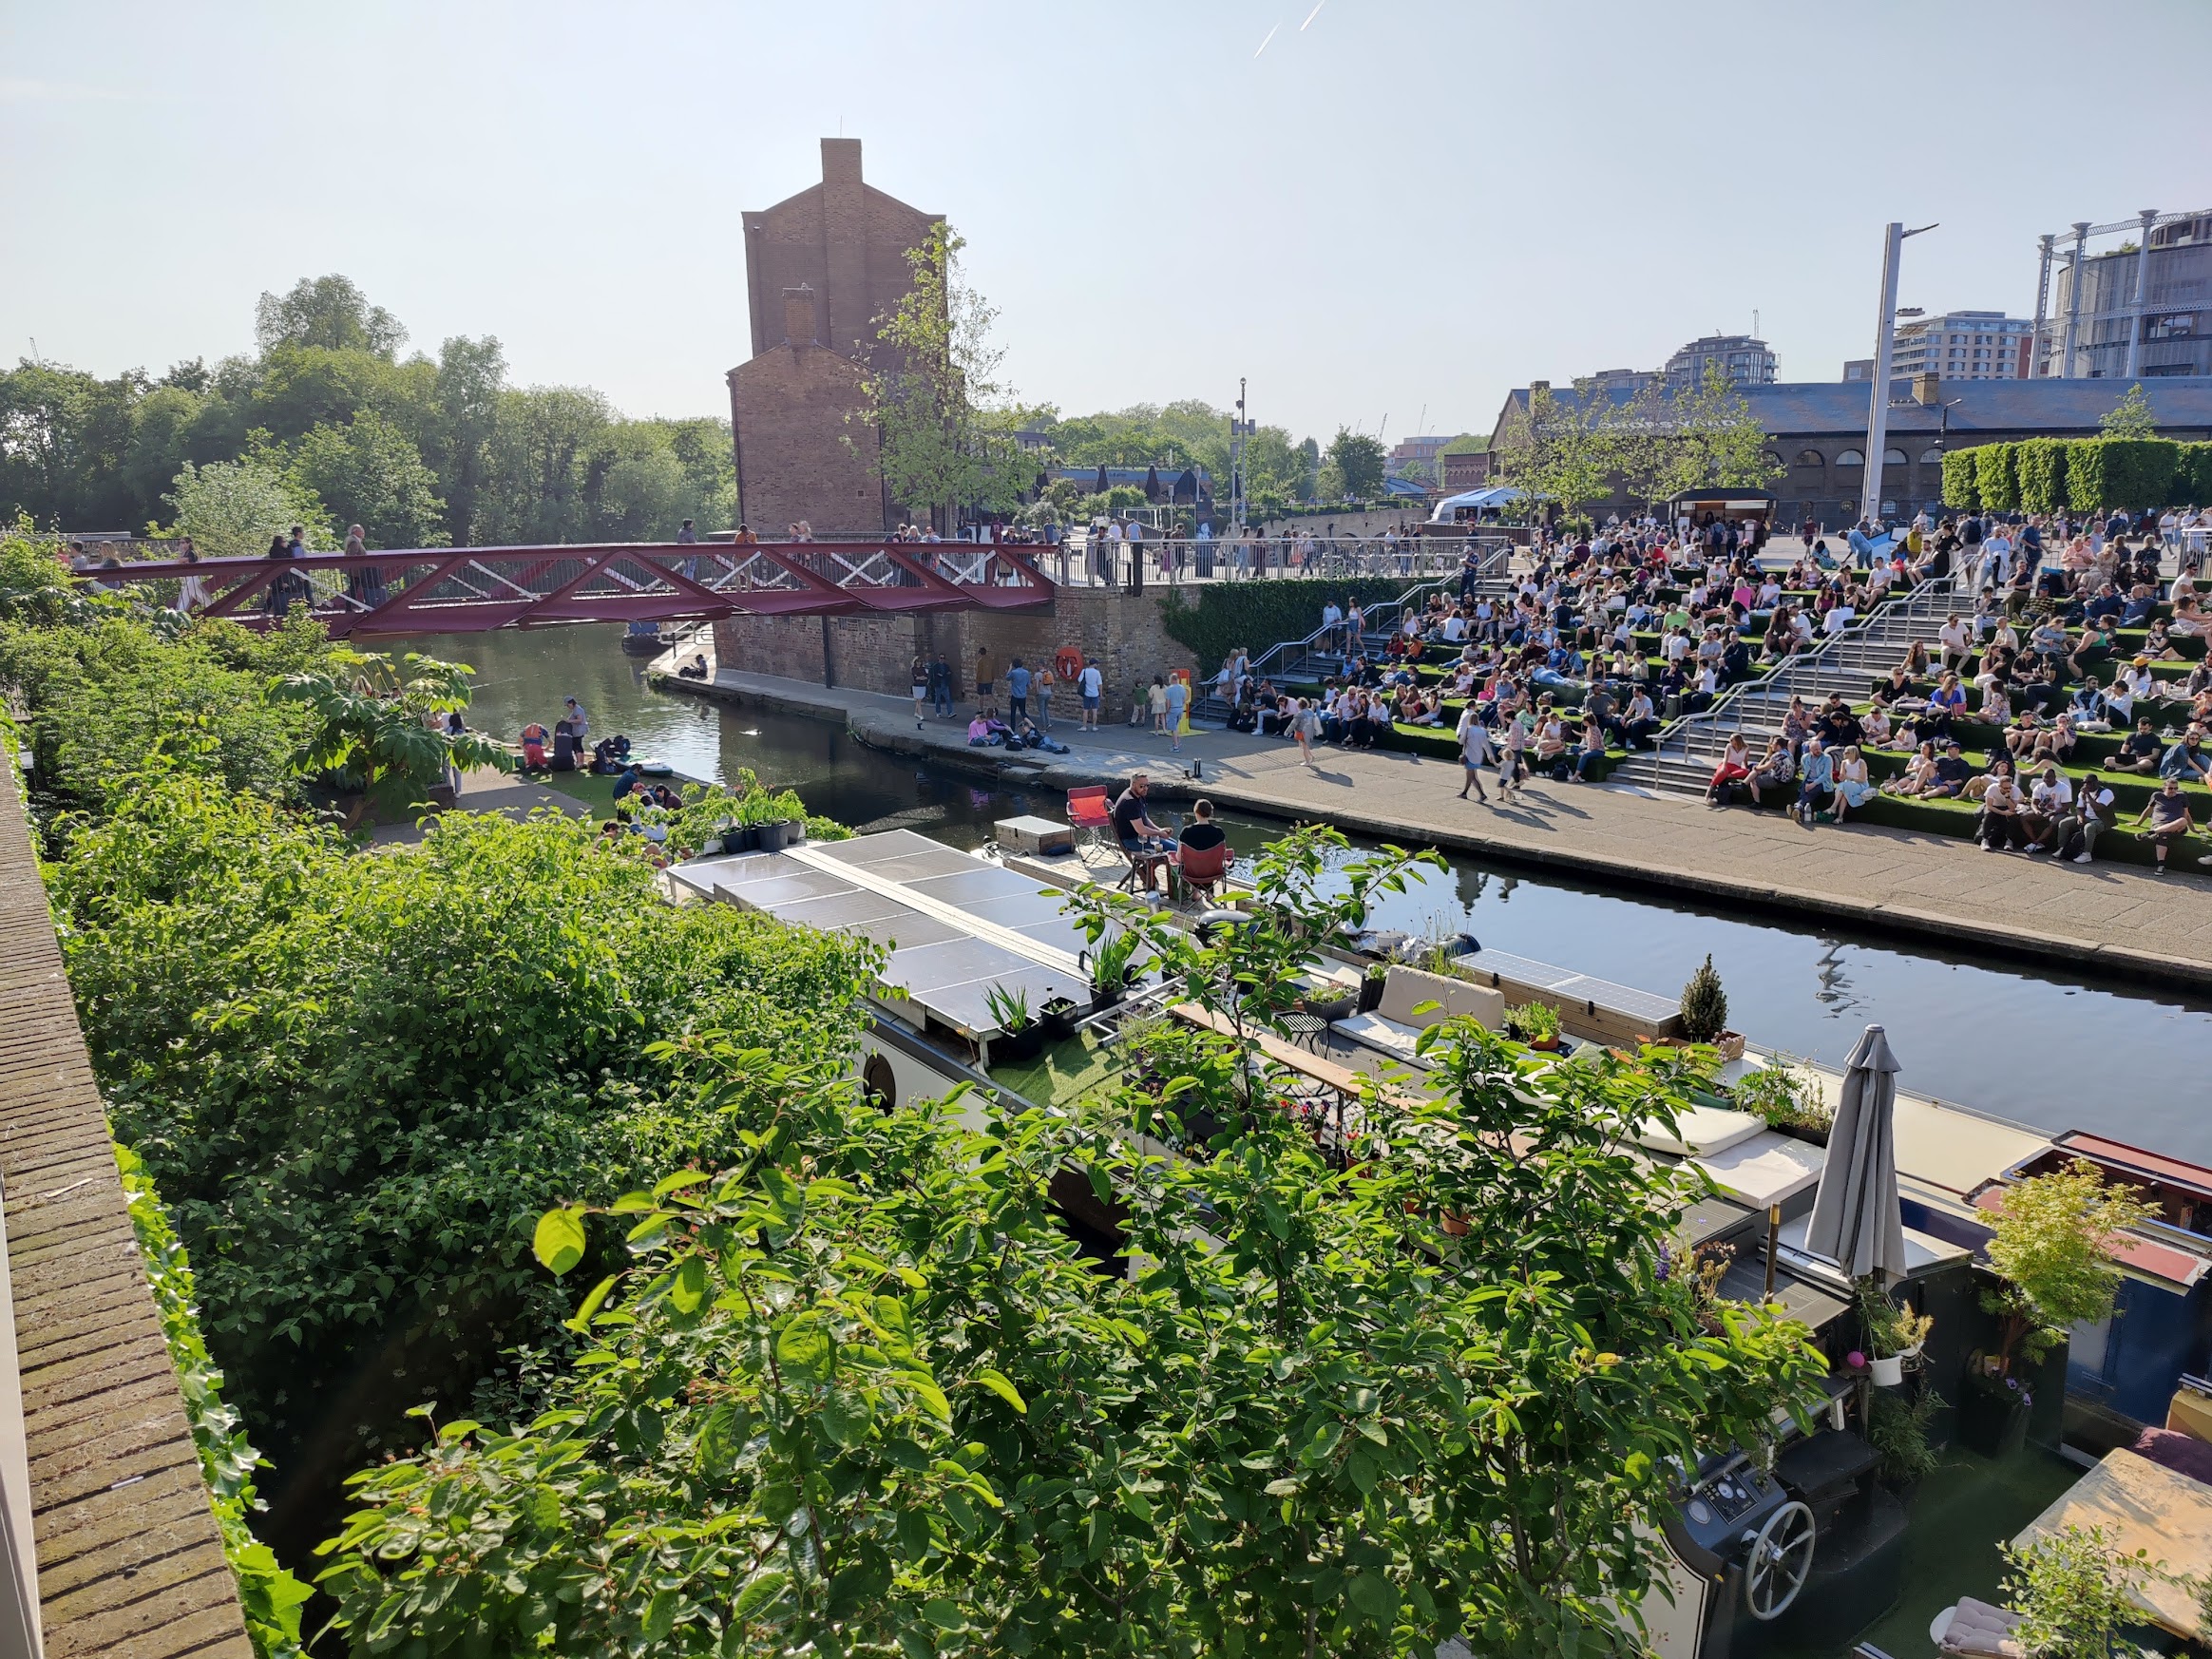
[1893, 457]
[1773, 458]
[1809, 458]
[1851, 458]
[1931, 457]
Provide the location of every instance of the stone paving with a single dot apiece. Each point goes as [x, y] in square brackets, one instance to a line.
[2114, 918]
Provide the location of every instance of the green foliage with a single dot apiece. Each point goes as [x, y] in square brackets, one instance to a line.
[2132, 417]
[377, 730]
[1785, 1094]
[232, 508]
[271, 1597]
[1009, 1009]
[369, 474]
[1961, 480]
[1557, 448]
[2040, 465]
[1891, 1329]
[2131, 473]
[2073, 1588]
[1187, 432]
[35, 586]
[1705, 1004]
[327, 312]
[2052, 1253]
[1532, 1021]
[1672, 437]
[854, 1392]
[1996, 478]
[358, 1079]
[1898, 1428]
[1211, 617]
[2193, 475]
[1358, 460]
[946, 424]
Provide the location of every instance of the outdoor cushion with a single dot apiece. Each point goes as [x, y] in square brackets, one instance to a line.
[1700, 1131]
[1386, 1035]
[1983, 1631]
[2182, 1454]
[1405, 989]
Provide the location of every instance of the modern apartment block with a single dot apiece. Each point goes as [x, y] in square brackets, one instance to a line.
[2139, 309]
[1743, 359]
[1963, 345]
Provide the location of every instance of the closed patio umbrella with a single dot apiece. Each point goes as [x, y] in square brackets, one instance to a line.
[1152, 484]
[1186, 486]
[1855, 1221]
[1101, 486]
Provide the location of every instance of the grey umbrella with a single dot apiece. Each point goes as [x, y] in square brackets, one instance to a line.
[1855, 1221]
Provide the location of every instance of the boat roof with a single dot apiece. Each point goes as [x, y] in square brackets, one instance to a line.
[954, 927]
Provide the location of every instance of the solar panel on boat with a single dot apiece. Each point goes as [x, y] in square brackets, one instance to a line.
[875, 848]
[978, 880]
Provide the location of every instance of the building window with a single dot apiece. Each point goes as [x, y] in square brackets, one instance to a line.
[1851, 458]
[1809, 458]
[1893, 457]
[1931, 457]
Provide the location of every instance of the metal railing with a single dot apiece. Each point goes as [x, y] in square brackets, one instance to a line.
[1089, 562]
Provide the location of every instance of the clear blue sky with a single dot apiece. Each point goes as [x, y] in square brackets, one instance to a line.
[1397, 205]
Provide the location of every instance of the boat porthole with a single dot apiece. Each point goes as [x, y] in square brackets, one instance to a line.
[880, 1083]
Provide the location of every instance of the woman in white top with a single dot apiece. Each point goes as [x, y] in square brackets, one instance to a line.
[191, 590]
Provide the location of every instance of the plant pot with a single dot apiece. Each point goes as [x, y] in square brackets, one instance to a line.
[1018, 1047]
[1993, 1419]
[1103, 998]
[1887, 1372]
[1544, 1044]
[741, 838]
[1057, 1020]
[1802, 1132]
[1730, 1044]
[1329, 1009]
[1370, 993]
[779, 834]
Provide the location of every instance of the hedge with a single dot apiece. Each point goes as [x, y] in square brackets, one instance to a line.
[2041, 475]
[2040, 467]
[1961, 480]
[1259, 613]
[1994, 479]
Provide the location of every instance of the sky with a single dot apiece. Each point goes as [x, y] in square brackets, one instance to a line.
[1384, 214]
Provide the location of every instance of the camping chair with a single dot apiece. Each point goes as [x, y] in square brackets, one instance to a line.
[1088, 815]
[1203, 870]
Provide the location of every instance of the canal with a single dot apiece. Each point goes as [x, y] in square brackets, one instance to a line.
[2018, 1042]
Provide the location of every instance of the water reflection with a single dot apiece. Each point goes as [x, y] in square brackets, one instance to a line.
[2021, 1044]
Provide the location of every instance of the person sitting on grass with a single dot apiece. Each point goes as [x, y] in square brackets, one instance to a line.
[2093, 813]
[1946, 703]
[2140, 751]
[2049, 798]
[1919, 776]
[1777, 769]
[2186, 761]
[1952, 773]
[2170, 820]
[1854, 786]
[1589, 753]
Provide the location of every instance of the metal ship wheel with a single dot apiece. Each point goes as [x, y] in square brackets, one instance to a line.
[1779, 1561]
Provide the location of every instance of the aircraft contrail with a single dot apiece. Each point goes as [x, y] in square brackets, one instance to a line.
[1310, 16]
[1272, 35]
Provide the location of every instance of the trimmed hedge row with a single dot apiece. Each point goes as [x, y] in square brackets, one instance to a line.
[2041, 475]
[1262, 613]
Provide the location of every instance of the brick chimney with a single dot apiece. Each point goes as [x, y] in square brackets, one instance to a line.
[799, 316]
[1928, 388]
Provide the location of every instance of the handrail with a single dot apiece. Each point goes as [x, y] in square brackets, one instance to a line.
[21, 1628]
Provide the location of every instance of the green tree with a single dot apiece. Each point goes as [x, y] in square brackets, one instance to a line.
[232, 508]
[2132, 417]
[1694, 435]
[1358, 459]
[331, 312]
[374, 730]
[369, 474]
[471, 376]
[945, 422]
[2074, 1590]
[535, 476]
[1558, 449]
[2052, 1253]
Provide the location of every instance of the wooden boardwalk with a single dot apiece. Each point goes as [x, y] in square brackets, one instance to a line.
[130, 1560]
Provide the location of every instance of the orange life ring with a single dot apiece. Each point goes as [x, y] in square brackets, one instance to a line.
[1068, 663]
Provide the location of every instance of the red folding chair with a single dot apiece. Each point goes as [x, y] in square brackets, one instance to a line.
[1203, 869]
[1088, 813]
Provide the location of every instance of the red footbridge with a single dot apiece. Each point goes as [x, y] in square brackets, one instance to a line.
[473, 590]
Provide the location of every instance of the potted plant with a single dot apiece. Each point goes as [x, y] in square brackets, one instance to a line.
[1371, 987]
[1705, 1013]
[1898, 1429]
[1113, 966]
[1787, 1098]
[1536, 1024]
[2052, 1255]
[1019, 1037]
[1057, 1019]
[1894, 1333]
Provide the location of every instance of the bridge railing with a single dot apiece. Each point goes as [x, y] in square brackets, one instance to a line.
[1092, 562]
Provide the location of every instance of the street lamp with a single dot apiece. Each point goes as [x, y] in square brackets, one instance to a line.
[1943, 405]
[1884, 349]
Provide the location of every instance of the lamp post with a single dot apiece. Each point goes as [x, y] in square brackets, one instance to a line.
[1884, 349]
[1943, 407]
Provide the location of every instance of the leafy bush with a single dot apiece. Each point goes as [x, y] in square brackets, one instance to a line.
[357, 1079]
[2193, 476]
[2041, 469]
[1784, 1095]
[856, 1393]
[2088, 482]
[1961, 480]
[1994, 478]
[270, 1596]
[2140, 472]
[376, 729]
[1898, 1428]
[2052, 1253]
[2073, 1588]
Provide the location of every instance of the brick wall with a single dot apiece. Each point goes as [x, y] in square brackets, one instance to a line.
[876, 654]
[802, 453]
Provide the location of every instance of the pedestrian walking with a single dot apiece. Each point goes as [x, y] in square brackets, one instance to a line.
[1475, 752]
[1178, 699]
[1306, 727]
[940, 686]
[1157, 698]
[1041, 688]
[1093, 686]
[921, 688]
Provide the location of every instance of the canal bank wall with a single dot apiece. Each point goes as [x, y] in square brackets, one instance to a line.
[2107, 919]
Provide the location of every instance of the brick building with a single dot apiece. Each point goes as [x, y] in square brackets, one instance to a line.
[821, 267]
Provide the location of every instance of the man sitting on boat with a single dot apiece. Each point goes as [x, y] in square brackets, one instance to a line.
[1148, 847]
